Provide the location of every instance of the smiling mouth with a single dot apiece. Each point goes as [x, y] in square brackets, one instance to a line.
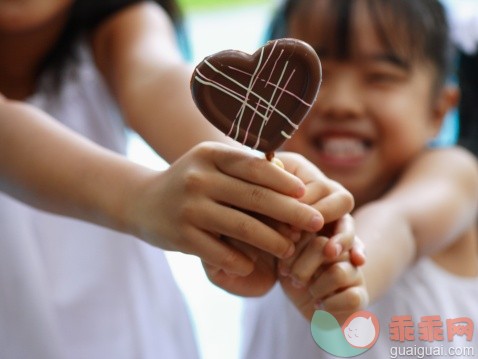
[342, 148]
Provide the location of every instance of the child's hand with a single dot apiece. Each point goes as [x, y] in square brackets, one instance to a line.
[313, 280]
[264, 275]
[332, 200]
[329, 197]
[323, 193]
[335, 242]
[257, 283]
[339, 289]
[207, 194]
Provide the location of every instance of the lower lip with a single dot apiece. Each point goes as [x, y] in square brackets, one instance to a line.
[342, 162]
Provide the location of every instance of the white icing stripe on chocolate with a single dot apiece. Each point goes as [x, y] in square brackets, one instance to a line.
[228, 91]
[222, 88]
[245, 88]
[286, 135]
[272, 84]
[252, 82]
[269, 109]
[263, 108]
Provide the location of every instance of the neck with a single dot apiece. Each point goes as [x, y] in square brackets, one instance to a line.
[22, 54]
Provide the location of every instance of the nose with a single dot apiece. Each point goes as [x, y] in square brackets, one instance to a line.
[340, 96]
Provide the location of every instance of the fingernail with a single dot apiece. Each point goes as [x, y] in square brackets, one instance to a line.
[290, 251]
[362, 257]
[300, 191]
[316, 222]
[284, 271]
[296, 284]
[338, 249]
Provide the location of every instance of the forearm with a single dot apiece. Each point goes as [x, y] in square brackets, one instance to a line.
[390, 246]
[137, 52]
[48, 166]
[438, 196]
[428, 209]
[172, 126]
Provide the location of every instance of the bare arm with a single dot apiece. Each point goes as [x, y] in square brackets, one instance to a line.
[184, 208]
[137, 52]
[48, 166]
[430, 207]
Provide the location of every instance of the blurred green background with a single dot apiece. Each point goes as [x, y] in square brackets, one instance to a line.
[188, 5]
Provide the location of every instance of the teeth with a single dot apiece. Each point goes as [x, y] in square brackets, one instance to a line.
[343, 147]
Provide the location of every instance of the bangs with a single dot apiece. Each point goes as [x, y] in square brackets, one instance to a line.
[412, 30]
[325, 25]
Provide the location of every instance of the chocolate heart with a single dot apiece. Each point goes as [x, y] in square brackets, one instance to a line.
[260, 99]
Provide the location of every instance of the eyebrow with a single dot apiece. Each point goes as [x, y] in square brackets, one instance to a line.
[381, 57]
[390, 58]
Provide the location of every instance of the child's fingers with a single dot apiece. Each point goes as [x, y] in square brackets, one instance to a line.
[215, 218]
[308, 262]
[337, 276]
[318, 186]
[334, 204]
[347, 301]
[243, 165]
[264, 201]
[239, 179]
[284, 229]
[218, 253]
[284, 265]
[357, 253]
[287, 231]
[249, 251]
[342, 239]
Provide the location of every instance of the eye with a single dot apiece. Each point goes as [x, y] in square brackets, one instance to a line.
[383, 77]
[383, 73]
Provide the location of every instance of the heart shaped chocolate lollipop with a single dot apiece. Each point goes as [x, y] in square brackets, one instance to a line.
[260, 99]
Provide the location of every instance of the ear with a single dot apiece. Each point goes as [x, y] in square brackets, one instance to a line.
[445, 100]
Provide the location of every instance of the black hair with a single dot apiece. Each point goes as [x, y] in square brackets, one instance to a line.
[421, 23]
[468, 109]
[84, 16]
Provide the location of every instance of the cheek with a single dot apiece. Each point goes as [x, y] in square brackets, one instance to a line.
[402, 118]
[402, 133]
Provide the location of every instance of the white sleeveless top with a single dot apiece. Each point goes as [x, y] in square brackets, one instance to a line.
[274, 328]
[69, 289]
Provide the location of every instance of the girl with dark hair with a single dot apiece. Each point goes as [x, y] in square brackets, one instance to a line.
[383, 99]
[71, 289]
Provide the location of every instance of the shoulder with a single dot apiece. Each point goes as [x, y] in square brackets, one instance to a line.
[453, 162]
[453, 152]
[138, 35]
[133, 18]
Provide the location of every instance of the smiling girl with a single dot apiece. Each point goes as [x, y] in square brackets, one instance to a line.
[383, 99]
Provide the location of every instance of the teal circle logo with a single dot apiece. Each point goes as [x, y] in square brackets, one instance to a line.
[357, 335]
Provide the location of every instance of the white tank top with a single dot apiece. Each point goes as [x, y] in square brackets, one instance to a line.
[69, 289]
[274, 328]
